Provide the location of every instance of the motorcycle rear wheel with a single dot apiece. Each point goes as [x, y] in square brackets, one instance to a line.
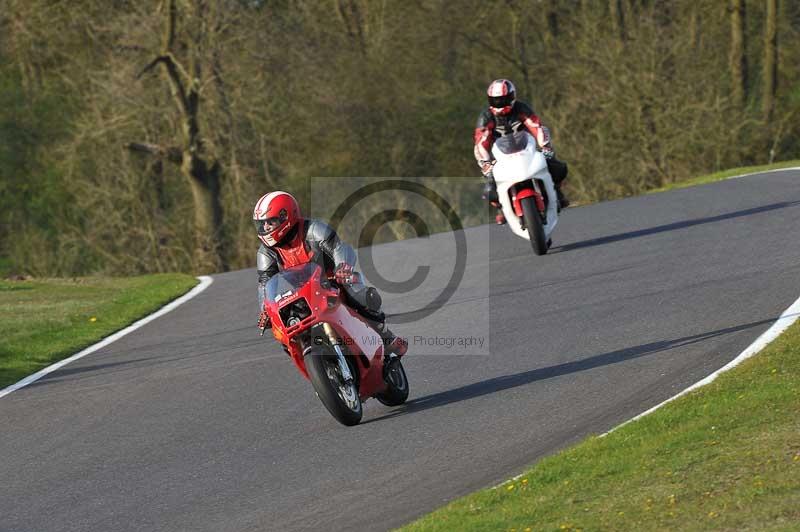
[340, 398]
[396, 385]
[533, 223]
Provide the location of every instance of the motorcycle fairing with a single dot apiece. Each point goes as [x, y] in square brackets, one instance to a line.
[527, 164]
[326, 305]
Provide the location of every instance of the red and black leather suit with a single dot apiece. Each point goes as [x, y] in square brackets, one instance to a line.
[490, 127]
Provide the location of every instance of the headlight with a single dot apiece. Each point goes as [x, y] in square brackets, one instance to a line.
[295, 312]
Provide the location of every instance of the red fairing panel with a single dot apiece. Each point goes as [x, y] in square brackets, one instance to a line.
[524, 193]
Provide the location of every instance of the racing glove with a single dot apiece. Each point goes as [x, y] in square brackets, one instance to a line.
[263, 321]
[344, 274]
[486, 168]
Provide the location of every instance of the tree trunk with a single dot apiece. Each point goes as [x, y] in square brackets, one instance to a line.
[350, 15]
[552, 24]
[617, 19]
[518, 35]
[770, 59]
[205, 185]
[201, 170]
[738, 54]
[693, 27]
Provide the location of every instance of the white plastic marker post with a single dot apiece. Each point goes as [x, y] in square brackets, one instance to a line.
[205, 282]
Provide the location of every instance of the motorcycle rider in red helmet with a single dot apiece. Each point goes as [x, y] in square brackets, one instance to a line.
[288, 239]
[505, 115]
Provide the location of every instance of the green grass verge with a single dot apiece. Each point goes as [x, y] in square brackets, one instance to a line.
[725, 457]
[5, 267]
[724, 174]
[44, 321]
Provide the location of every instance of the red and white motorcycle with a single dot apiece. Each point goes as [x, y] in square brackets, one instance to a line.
[331, 344]
[525, 189]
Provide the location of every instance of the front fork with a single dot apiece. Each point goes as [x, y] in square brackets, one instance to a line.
[518, 195]
[344, 367]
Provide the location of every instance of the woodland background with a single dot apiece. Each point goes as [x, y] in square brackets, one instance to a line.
[136, 136]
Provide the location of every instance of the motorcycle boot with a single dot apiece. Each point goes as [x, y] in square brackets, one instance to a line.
[490, 190]
[367, 301]
[559, 171]
[393, 345]
[563, 201]
[490, 194]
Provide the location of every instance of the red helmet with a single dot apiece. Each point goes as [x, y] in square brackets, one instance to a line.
[274, 216]
[502, 95]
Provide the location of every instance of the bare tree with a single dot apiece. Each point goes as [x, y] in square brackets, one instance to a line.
[770, 59]
[738, 53]
[351, 16]
[617, 19]
[240, 97]
[201, 167]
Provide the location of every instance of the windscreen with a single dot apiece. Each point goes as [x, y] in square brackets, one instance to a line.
[513, 143]
[284, 283]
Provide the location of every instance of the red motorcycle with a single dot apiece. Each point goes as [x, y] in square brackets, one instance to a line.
[331, 344]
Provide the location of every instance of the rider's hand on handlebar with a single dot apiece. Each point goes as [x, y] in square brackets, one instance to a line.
[486, 167]
[344, 274]
[263, 321]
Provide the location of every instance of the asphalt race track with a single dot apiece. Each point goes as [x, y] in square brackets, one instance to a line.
[194, 422]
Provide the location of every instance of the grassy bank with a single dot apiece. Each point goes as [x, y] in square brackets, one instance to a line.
[44, 321]
[724, 174]
[725, 457]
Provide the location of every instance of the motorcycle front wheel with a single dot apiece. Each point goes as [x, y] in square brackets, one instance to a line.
[339, 397]
[533, 223]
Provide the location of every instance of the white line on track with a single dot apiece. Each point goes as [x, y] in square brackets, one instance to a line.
[757, 173]
[786, 319]
[789, 316]
[783, 322]
[205, 282]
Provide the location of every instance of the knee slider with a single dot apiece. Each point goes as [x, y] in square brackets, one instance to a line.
[374, 300]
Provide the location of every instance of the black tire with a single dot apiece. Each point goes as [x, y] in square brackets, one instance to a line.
[397, 385]
[323, 370]
[533, 223]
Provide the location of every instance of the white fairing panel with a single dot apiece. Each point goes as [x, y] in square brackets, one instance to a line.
[514, 168]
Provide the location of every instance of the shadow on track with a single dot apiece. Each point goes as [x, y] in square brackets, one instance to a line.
[673, 226]
[182, 349]
[498, 384]
[55, 376]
